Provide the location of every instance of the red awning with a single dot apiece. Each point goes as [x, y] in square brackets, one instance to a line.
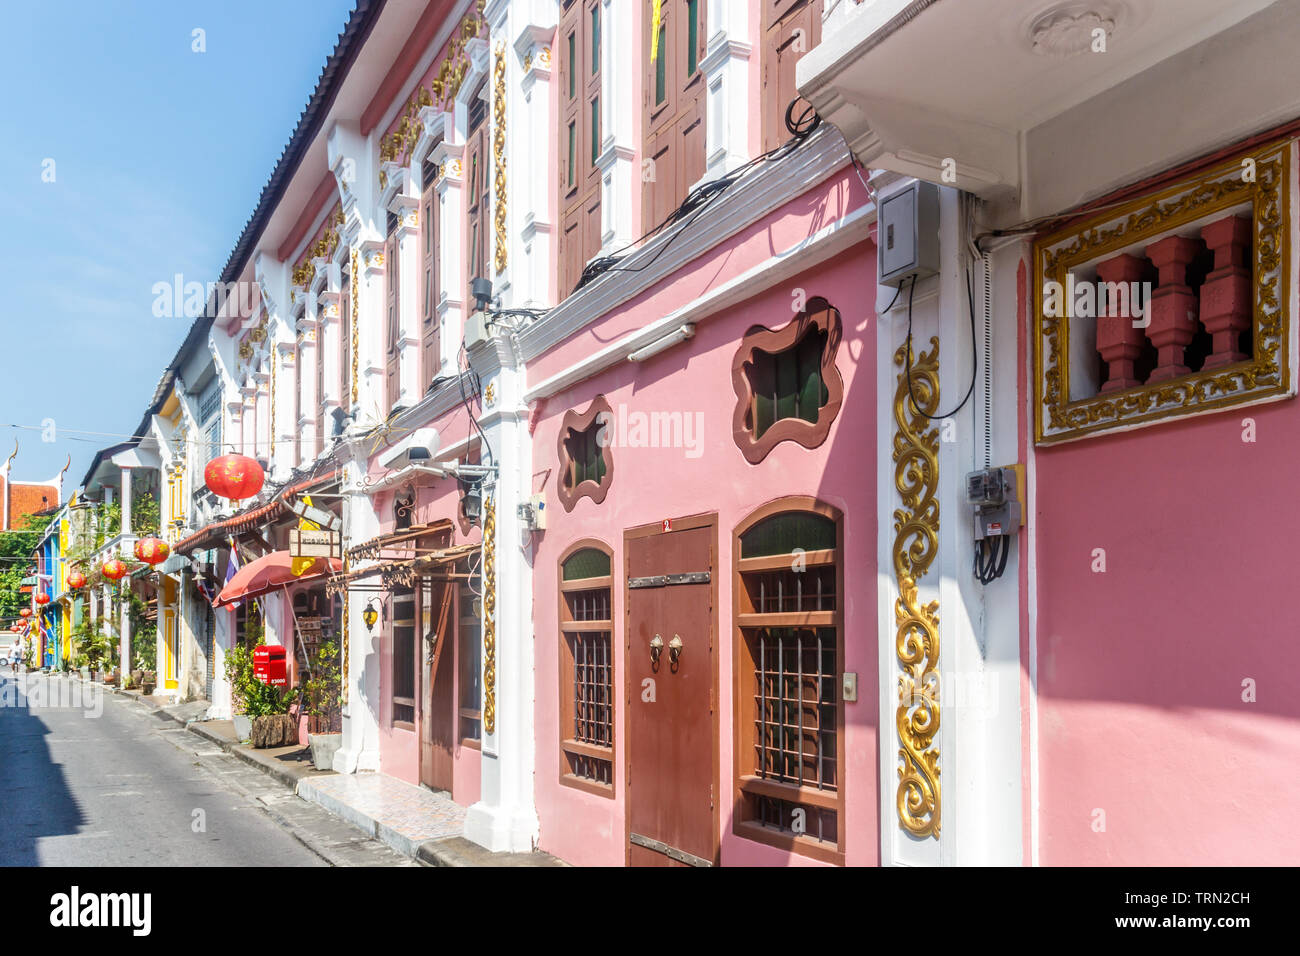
[269, 572]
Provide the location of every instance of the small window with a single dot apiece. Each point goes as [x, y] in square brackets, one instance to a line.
[788, 611]
[595, 129]
[661, 66]
[573, 61]
[786, 382]
[692, 36]
[587, 670]
[595, 39]
[1171, 304]
[404, 662]
[586, 462]
[469, 632]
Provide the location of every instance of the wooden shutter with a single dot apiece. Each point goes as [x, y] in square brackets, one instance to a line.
[298, 451]
[429, 350]
[790, 29]
[580, 138]
[673, 112]
[345, 344]
[393, 321]
[480, 184]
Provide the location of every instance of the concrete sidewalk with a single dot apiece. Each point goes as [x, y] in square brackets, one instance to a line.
[418, 823]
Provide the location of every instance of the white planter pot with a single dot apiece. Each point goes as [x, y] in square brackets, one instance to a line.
[243, 726]
[323, 749]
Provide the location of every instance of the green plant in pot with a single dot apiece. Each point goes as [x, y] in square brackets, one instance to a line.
[260, 710]
[323, 696]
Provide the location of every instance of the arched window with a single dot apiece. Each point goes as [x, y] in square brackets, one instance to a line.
[789, 619]
[587, 668]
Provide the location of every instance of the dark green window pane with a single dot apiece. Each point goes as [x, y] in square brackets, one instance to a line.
[783, 533]
[692, 36]
[595, 39]
[587, 563]
[661, 68]
[573, 150]
[595, 129]
[573, 65]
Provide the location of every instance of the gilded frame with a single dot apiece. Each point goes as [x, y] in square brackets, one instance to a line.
[1266, 376]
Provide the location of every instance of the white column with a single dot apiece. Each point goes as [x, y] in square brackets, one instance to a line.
[126, 502]
[726, 77]
[360, 748]
[286, 385]
[451, 281]
[408, 301]
[371, 307]
[263, 417]
[308, 356]
[505, 818]
[620, 120]
[329, 336]
[531, 132]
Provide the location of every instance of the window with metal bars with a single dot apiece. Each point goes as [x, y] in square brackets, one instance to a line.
[789, 764]
[404, 658]
[469, 633]
[587, 669]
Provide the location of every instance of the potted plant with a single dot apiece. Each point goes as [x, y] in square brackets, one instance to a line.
[269, 709]
[148, 682]
[323, 696]
[239, 673]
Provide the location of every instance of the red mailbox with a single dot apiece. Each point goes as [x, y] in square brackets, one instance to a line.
[268, 665]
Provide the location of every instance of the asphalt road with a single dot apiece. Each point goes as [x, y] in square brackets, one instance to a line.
[96, 782]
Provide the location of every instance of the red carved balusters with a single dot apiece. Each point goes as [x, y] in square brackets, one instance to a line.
[1119, 343]
[1226, 294]
[1173, 308]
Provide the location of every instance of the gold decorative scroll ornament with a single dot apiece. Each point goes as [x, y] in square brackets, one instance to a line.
[916, 542]
[499, 154]
[355, 280]
[489, 614]
[346, 610]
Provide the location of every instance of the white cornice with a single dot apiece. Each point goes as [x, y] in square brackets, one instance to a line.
[764, 190]
[802, 256]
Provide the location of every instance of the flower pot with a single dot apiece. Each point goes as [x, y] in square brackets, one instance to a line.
[323, 749]
[137, 678]
[243, 726]
[274, 730]
[146, 688]
[85, 673]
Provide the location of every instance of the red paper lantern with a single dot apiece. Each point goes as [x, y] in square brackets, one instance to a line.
[114, 569]
[42, 599]
[26, 612]
[76, 580]
[234, 476]
[152, 551]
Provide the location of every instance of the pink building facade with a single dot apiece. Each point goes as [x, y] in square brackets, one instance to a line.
[654, 407]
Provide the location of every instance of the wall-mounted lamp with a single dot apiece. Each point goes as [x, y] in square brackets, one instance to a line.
[371, 614]
[675, 337]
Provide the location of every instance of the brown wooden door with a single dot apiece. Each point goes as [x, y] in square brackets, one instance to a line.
[437, 720]
[672, 725]
[429, 350]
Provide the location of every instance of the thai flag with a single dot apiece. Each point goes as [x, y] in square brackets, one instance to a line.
[231, 567]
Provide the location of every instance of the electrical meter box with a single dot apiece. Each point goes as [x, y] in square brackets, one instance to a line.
[907, 240]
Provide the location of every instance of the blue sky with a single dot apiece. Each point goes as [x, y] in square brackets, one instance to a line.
[159, 156]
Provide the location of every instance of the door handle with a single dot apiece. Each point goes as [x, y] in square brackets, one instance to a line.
[656, 648]
[674, 649]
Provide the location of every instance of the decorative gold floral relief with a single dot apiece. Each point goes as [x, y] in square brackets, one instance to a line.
[489, 614]
[916, 542]
[499, 155]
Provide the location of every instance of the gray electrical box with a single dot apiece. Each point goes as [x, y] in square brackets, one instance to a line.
[907, 240]
[476, 332]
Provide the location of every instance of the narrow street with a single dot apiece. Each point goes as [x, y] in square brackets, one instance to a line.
[104, 783]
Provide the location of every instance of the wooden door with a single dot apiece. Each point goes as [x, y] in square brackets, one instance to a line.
[430, 357]
[437, 720]
[671, 694]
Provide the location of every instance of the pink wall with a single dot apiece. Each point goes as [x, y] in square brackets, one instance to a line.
[651, 484]
[1140, 668]
[399, 749]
